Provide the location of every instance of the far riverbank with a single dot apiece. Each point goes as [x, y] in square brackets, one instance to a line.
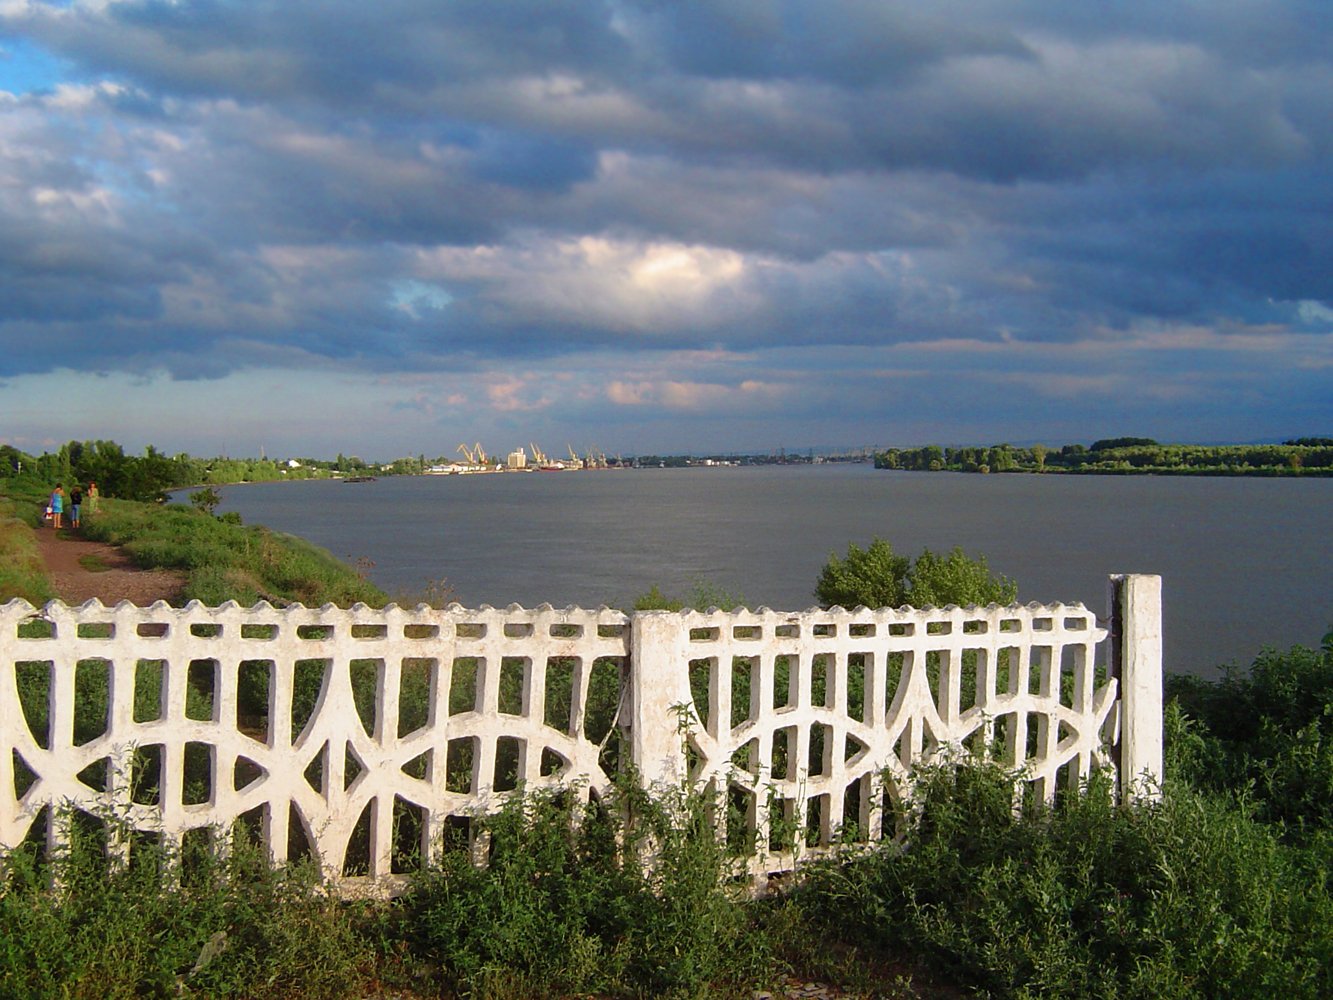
[1244, 561]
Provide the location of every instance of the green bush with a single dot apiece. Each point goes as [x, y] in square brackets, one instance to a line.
[1186, 898]
[560, 910]
[877, 577]
[173, 925]
[703, 595]
[1268, 730]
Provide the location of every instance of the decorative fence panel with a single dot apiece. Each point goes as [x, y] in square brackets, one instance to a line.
[808, 726]
[369, 739]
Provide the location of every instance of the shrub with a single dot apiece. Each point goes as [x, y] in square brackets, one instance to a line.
[1186, 898]
[877, 577]
[186, 924]
[703, 595]
[560, 909]
[1269, 730]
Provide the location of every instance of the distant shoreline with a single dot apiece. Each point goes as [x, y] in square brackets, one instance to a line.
[1123, 457]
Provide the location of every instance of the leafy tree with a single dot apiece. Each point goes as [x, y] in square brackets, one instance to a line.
[206, 500]
[956, 579]
[877, 577]
[1122, 442]
[874, 576]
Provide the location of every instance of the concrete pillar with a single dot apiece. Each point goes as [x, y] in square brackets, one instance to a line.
[1135, 606]
[659, 692]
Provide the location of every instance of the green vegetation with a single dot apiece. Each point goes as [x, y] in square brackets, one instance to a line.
[1268, 731]
[150, 475]
[1123, 456]
[224, 560]
[22, 573]
[561, 911]
[876, 577]
[1188, 898]
[703, 595]
[210, 928]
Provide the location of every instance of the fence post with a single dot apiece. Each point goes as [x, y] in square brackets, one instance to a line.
[1135, 612]
[659, 686]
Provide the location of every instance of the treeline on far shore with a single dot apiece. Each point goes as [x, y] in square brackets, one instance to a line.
[1123, 456]
[149, 475]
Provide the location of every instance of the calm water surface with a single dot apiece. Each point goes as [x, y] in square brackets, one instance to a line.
[1245, 562]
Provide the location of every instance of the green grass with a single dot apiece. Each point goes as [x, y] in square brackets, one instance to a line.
[226, 561]
[222, 560]
[22, 572]
[1189, 897]
[210, 928]
[93, 564]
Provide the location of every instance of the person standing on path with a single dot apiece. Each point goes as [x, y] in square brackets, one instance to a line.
[75, 502]
[57, 506]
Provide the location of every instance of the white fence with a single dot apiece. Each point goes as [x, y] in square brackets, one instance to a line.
[370, 739]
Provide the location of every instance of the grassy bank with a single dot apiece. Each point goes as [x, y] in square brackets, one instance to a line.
[224, 560]
[22, 573]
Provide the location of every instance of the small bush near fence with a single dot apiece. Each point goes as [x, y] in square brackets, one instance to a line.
[1184, 898]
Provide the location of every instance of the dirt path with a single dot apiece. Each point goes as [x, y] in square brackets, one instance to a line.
[81, 570]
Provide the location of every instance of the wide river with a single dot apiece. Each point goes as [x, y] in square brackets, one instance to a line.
[1245, 562]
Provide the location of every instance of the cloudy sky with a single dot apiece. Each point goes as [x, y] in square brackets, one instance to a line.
[312, 226]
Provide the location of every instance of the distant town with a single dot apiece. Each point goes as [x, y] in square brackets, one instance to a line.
[475, 459]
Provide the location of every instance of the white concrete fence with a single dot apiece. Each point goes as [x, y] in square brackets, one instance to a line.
[370, 739]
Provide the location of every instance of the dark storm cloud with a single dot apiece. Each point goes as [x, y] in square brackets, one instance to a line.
[397, 186]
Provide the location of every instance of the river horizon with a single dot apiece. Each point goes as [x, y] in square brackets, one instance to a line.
[1244, 561]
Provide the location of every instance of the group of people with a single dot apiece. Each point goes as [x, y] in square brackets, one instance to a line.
[55, 506]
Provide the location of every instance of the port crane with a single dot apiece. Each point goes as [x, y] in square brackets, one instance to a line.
[475, 455]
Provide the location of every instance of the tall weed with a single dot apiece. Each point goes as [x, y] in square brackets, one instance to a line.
[1185, 898]
[561, 909]
[1268, 730]
[22, 572]
[172, 925]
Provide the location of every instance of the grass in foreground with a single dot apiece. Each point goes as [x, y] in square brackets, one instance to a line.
[228, 929]
[1186, 898]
